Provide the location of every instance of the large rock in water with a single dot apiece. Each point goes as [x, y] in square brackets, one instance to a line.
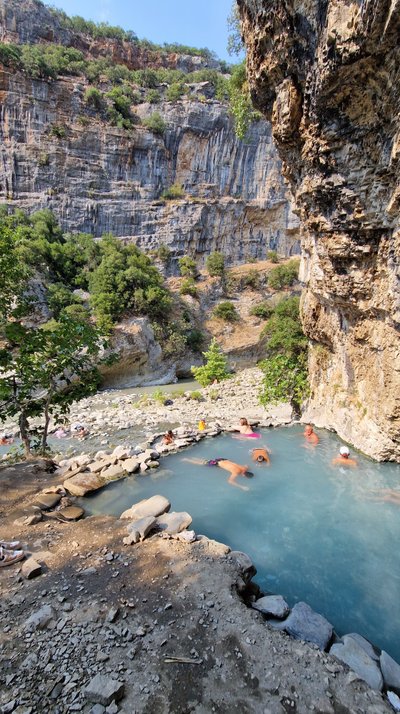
[154, 506]
[83, 483]
[326, 74]
[391, 672]
[350, 652]
[305, 624]
[273, 605]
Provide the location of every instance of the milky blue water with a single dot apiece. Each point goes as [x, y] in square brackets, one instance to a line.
[314, 531]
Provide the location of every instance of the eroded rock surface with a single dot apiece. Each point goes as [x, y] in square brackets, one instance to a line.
[327, 75]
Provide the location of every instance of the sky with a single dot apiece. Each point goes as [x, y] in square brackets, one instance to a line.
[189, 22]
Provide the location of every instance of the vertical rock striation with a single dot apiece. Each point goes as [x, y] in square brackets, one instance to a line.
[327, 74]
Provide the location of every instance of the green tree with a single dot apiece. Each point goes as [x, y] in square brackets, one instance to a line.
[216, 366]
[43, 370]
[155, 123]
[283, 276]
[285, 368]
[215, 264]
[235, 42]
[188, 267]
[188, 287]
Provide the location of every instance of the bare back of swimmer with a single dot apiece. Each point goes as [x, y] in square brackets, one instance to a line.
[235, 470]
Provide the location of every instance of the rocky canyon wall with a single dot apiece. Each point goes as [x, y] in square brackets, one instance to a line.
[327, 74]
[99, 178]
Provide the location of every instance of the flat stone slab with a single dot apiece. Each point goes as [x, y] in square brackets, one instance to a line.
[154, 506]
[305, 624]
[273, 605]
[71, 513]
[391, 672]
[97, 466]
[104, 690]
[352, 654]
[83, 483]
[113, 472]
[174, 522]
[39, 619]
[46, 501]
[138, 530]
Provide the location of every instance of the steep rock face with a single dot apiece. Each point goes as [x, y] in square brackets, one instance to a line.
[328, 76]
[100, 178]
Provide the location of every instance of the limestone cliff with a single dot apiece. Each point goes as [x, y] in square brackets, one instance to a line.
[98, 178]
[327, 74]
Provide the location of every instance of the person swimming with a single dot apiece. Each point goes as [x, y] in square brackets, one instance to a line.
[260, 455]
[344, 458]
[235, 470]
[310, 435]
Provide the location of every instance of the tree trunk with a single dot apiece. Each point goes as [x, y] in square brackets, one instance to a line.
[46, 427]
[23, 428]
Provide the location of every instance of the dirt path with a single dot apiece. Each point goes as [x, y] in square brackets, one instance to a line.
[125, 612]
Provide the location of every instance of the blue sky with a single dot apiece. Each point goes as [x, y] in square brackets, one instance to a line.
[190, 22]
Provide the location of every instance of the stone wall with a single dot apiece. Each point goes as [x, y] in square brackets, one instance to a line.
[327, 75]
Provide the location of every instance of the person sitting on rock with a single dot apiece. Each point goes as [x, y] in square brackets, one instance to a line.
[310, 435]
[202, 425]
[261, 455]
[6, 440]
[168, 438]
[235, 470]
[344, 458]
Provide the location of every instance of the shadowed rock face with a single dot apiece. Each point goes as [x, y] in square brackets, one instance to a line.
[327, 74]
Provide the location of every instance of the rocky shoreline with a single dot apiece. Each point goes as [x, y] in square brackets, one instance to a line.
[156, 627]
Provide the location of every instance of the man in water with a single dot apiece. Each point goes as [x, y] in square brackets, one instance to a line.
[235, 470]
[261, 455]
[344, 458]
[310, 435]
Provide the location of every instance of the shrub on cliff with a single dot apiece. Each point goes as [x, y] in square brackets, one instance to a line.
[226, 311]
[94, 98]
[272, 256]
[263, 310]
[188, 287]
[283, 276]
[10, 55]
[215, 264]
[188, 267]
[153, 96]
[175, 92]
[173, 192]
[215, 368]
[155, 123]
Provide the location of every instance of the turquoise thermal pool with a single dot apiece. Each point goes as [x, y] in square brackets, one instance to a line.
[315, 532]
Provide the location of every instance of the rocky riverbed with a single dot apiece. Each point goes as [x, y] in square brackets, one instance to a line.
[159, 626]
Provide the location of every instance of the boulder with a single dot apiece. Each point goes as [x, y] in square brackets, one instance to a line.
[273, 605]
[352, 654]
[97, 466]
[39, 619]
[104, 690]
[245, 565]
[174, 522]
[83, 483]
[154, 506]
[138, 530]
[113, 472]
[31, 569]
[148, 455]
[71, 513]
[391, 672]
[131, 465]
[122, 452]
[46, 501]
[394, 700]
[305, 624]
[365, 645]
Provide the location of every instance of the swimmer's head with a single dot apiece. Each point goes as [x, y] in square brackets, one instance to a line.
[260, 458]
[308, 430]
[244, 422]
[344, 451]
[248, 474]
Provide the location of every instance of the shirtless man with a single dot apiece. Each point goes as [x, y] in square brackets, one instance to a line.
[261, 455]
[344, 458]
[235, 470]
[310, 435]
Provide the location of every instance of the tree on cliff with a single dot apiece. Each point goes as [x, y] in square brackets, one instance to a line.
[285, 368]
[45, 367]
[215, 368]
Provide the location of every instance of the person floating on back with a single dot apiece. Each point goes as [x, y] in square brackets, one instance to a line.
[344, 458]
[310, 435]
